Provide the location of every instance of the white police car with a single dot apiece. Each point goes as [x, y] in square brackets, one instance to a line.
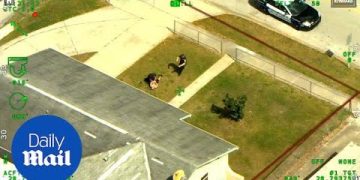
[295, 12]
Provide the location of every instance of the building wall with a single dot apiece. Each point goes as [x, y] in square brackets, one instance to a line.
[216, 170]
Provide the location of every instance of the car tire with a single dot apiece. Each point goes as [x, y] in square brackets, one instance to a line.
[296, 26]
[265, 11]
[261, 7]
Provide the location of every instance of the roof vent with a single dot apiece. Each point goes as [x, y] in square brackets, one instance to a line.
[156, 159]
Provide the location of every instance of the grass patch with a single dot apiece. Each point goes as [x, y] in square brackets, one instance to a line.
[199, 59]
[276, 115]
[51, 12]
[83, 57]
[319, 60]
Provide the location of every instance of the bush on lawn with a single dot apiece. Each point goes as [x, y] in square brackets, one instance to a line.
[233, 109]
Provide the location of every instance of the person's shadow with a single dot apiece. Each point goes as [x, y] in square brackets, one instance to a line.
[173, 66]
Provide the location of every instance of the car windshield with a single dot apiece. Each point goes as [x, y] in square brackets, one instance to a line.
[296, 7]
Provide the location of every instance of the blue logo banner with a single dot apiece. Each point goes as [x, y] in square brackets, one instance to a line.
[46, 147]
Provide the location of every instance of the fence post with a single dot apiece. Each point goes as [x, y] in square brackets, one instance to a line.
[221, 46]
[236, 56]
[274, 71]
[198, 38]
[350, 108]
[174, 26]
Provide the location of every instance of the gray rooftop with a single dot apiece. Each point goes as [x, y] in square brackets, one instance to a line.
[106, 138]
[86, 96]
[129, 162]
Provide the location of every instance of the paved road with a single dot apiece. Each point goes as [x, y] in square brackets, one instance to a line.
[339, 27]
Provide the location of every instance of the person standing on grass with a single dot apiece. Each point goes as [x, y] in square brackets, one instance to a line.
[182, 63]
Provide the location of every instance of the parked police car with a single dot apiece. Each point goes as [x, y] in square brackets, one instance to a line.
[295, 12]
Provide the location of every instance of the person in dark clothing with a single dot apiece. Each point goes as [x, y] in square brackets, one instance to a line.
[181, 59]
[151, 77]
[153, 80]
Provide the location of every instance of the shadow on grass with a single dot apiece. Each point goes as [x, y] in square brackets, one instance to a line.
[173, 66]
[219, 110]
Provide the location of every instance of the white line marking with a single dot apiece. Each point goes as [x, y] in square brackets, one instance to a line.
[5, 149]
[136, 176]
[116, 165]
[89, 134]
[157, 160]
[185, 117]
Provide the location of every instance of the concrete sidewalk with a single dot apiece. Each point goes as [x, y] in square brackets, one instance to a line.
[202, 80]
[152, 28]
[121, 34]
[89, 32]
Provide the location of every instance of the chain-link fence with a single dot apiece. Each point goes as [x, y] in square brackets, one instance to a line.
[291, 77]
[199, 37]
[261, 63]
[298, 152]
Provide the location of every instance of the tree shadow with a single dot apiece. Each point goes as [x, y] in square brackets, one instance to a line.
[218, 110]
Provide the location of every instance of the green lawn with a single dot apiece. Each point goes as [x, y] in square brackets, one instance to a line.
[276, 115]
[199, 59]
[316, 59]
[51, 12]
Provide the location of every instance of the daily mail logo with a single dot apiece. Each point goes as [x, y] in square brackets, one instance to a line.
[343, 3]
[46, 147]
[36, 158]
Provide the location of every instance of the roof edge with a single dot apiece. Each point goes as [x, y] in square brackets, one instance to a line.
[218, 157]
[235, 146]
